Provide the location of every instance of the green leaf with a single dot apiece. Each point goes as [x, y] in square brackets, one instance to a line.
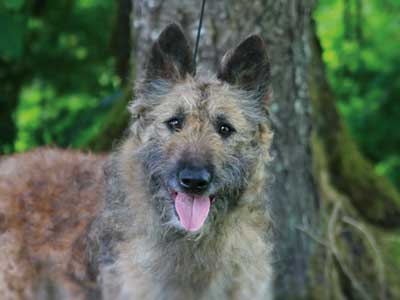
[13, 4]
[12, 36]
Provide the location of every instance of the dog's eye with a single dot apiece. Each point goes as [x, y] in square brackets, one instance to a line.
[225, 130]
[174, 124]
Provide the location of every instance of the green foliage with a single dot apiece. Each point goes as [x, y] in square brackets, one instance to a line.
[11, 39]
[13, 4]
[60, 53]
[361, 51]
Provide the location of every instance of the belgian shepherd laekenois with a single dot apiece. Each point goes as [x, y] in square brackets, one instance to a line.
[178, 211]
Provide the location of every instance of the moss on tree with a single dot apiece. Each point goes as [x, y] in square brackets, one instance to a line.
[356, 257]
[373, 196]
[115, 123]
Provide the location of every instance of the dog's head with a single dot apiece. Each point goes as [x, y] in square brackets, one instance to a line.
[201, 140]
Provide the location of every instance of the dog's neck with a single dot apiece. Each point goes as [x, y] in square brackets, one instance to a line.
[194, 266]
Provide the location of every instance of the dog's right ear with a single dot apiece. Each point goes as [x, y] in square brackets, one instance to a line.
[171, 56]
[247, 67]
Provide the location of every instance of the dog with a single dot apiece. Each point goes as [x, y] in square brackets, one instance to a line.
[178, 211]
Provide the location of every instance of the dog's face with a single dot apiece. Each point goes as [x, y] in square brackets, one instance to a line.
[201, 139]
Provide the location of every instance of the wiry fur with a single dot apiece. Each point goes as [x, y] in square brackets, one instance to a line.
[136, 245]
[47, 200]
[228, 259]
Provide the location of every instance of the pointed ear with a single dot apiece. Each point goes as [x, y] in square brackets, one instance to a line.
[247, 67]
[171, 56]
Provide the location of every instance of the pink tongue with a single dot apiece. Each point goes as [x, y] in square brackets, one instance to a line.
[192, 210]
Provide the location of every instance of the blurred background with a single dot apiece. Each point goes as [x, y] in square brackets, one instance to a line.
[65, 75]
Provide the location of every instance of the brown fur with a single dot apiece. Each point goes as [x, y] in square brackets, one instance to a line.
[47, 199]
[136, 247]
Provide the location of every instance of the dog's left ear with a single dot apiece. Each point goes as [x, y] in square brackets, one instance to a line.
[247, 67]
[171, 55]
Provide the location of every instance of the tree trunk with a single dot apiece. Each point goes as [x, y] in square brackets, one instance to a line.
[117, 119]
[284, 25]
[120, 41]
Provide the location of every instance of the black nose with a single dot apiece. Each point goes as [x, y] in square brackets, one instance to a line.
[194, 179]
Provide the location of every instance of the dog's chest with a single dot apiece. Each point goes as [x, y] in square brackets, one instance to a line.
[226, 269]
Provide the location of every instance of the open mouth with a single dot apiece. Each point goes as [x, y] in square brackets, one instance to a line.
[192, 210]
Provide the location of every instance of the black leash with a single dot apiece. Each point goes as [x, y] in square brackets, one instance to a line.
[198, 34]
